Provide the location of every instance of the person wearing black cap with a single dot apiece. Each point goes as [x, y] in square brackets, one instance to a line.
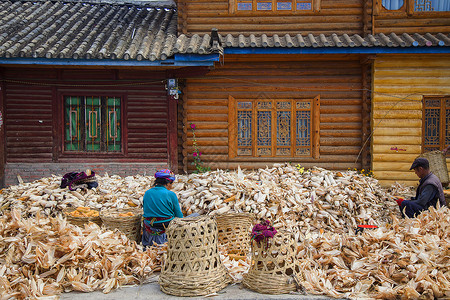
[428, 193]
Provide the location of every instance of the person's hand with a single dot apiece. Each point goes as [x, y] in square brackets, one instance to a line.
[399, 200]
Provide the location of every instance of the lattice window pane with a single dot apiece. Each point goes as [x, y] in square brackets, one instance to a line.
[432, 125]
[447, 126]
[72, 120]
[264, 125]
[244, 5]
[284, 5]
[244, 128]
[431, 5]
[113, 140]
[283, 128]
[303, 130]
[432, 103]
[93, 123]
[264, 105]
[304, 5]
[264, 5]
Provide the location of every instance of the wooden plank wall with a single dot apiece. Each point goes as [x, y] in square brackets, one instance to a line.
[399, 84]
[33, 127]
[335, 16]
[401, 21]
[337, 79]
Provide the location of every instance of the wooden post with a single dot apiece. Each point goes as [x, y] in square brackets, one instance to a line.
[172, 138]
[316, 127]
[232, 128]
[2, 134]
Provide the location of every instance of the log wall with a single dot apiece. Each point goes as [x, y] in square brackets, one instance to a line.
[334, 16]
[399, 84]
[409, 21]
[337, 79]
[35, 115]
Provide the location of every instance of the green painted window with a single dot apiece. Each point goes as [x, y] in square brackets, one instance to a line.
[92, 124]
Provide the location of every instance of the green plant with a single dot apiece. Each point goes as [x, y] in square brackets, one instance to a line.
[300, 168]
[365, 172]
[197, 155]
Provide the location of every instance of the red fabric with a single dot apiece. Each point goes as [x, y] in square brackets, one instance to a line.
[399, 200]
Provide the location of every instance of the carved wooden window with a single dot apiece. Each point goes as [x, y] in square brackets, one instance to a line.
[274, 5]
[274, 128]
[436, 123]
[415, 6]
[92, 124]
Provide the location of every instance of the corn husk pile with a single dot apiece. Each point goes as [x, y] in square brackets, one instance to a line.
[46, 196]
[45, 256]
[307, 203]
[236, 266]
[408, 259]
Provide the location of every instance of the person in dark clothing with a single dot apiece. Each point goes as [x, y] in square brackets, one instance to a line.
[429, 192]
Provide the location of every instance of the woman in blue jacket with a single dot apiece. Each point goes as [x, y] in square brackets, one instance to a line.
[160, 207]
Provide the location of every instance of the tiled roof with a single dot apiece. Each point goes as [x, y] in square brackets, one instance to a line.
[96, 29]
[198, 44]
[145, 30]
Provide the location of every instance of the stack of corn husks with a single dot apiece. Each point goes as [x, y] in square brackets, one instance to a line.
[407, 259]
[45, 256]
[306, 202]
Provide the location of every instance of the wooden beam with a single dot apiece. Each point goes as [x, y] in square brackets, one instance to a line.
[316, 128]
[172, 134]
[2, 133]
[232, 128]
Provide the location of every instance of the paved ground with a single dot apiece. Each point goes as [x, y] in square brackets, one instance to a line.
[151, 291]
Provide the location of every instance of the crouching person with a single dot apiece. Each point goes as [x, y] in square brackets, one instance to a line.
[428, 193]
[160, 207]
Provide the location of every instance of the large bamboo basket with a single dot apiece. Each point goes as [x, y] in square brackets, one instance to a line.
[234, 232]
[80, 221]
[273, 269]
[129, 225]
[438, 165]
[193, 266]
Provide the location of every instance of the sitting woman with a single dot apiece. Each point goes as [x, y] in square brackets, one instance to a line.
[160, 207]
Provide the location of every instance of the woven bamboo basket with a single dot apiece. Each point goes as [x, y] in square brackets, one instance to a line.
[273, 269]
[80, 221]
[438, 165]
[234, 232]
[193, 266]
[129, 225]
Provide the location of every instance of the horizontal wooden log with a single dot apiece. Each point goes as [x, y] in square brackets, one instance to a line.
[394, 157]
[397, 114]
[399, 123]
[392, 165]
[386, 148]
[398, 131]
[395, 140]
[395, 175]
[435, 80]
[389, 183]
[261, 164]
[402, 105]
[427, 62]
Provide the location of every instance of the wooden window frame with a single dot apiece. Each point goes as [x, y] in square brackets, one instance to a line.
[232, 5]
[233, 134]
[406, 9]
[85, 153]
[442, 121]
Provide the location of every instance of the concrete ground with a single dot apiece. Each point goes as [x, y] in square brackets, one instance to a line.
[151, 291]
